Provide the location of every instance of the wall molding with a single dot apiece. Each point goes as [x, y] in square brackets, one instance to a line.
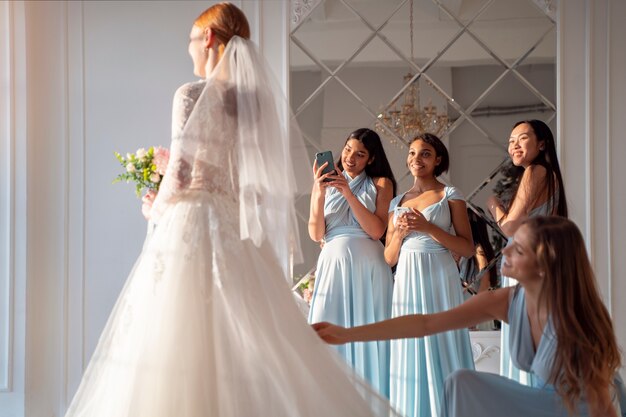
[615, 168]
[592, 98]
[13, 225]
[7, 185]
[74, 309]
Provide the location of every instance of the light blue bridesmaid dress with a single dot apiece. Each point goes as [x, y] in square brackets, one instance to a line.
[472, 393]
[507, 367]
[427, 281]
[353, 283]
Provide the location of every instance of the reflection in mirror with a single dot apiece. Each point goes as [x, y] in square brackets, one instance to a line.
[485, 63]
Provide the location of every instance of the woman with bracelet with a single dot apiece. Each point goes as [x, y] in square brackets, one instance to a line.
[539, 190]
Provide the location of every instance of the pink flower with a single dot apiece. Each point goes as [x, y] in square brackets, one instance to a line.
[307, 295]
[160, 159]
[155, 177]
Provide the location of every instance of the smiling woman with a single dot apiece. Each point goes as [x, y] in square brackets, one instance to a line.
[538, 190]
[89, 90]
[573, 353]
[353, 282]
[420, 241]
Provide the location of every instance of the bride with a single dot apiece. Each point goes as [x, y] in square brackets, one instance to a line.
[205, 324]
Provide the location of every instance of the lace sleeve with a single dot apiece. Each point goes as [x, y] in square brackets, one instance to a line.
[178, 173]
[185, 99]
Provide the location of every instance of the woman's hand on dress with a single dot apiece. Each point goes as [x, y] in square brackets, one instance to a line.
[413, 221]
[331, 333]
[147, 201]
[402, 226]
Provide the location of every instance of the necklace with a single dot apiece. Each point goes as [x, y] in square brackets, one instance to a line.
[420, 192]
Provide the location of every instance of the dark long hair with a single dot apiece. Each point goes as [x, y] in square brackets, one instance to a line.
[547, 159]
[481, 237]
[379, 168]
[587, 355]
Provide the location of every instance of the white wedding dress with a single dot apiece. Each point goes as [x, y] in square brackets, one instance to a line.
[206, 324]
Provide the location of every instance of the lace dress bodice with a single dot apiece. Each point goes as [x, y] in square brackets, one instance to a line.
[202, 155]
[213, 162]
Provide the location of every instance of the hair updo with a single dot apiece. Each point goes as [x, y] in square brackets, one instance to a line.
[225, 21]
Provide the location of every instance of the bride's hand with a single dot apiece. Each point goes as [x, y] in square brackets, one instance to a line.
[146, 205]
[330, 333]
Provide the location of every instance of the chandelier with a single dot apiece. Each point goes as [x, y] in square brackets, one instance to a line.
[411, 119]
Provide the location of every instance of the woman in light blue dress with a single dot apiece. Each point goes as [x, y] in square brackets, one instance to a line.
[539, 191]
[419, 241]
[353, 283]
[572, 353]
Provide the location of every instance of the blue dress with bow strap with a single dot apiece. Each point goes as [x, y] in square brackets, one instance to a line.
[427, 281]
[472, 393]
[353, 283]
[507, 366]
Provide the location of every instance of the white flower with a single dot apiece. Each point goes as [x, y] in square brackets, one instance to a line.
[130, 168]
[128, 156]
[141, 152]
[155, 177]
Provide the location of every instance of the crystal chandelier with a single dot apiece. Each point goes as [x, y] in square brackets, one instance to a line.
[411, 120]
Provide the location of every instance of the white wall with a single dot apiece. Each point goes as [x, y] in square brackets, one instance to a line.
[592, 103]
[82, 79]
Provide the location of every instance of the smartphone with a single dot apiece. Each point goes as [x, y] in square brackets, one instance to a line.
[323, 157]
[398, 211]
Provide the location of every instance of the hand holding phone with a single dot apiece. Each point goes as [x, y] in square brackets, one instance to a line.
[325, 157]
[399, 211]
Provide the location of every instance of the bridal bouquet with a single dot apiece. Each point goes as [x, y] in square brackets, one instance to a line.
[304, 287]
[145, 168]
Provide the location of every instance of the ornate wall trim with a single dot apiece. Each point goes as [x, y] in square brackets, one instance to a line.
[549, 7]
[300, 9]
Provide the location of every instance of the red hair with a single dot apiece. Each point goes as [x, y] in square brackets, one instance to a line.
[225, 21]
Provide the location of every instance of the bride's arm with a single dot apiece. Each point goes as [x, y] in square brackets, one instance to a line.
[178, 172]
